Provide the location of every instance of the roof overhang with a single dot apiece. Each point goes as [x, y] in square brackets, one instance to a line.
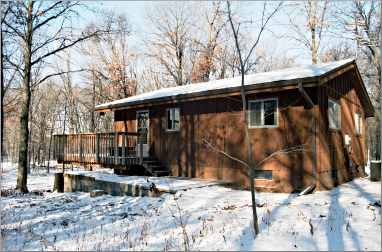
[250, 89]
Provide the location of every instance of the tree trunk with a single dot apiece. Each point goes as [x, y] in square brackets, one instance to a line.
[24, 116]
[380, 84]
[50, 143]
[314, 45]
[2, 97]
[312, 24]
[248, 146]
[58, 182]
[92, 119]
[22, 171]
[64, 140]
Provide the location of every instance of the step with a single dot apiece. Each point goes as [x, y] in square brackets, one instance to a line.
[152, 162]
[156, 168]
[160, 173]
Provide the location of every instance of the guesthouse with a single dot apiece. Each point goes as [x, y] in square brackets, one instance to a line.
[306, 127]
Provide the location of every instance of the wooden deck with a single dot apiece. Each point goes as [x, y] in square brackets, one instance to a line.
[118, 150]
[108, 149]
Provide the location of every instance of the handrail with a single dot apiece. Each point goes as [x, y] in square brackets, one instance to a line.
[90, 133]
[105, 148]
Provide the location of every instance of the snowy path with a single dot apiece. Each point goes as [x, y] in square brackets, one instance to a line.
[209, 218]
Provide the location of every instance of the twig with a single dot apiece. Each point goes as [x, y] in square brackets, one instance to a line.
[224, 153]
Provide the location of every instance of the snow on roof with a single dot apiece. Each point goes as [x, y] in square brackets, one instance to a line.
[293, 73]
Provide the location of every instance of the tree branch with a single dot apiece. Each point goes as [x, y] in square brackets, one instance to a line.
[209, 145]
[61, 48]
[57, 74]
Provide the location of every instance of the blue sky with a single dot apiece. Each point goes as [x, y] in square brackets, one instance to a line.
[137, 11]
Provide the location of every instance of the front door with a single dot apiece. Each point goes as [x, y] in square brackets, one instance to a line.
[143, 131]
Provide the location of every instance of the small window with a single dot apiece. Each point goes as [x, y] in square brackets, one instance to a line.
[173, 119]
[263, 174]
[334, 114]
[358, 123]
[263, 113]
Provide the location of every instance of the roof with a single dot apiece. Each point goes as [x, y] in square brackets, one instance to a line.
[253, 80]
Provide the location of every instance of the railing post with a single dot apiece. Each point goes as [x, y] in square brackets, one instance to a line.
[116, 148]
[107, 148]
[123, 148]
[101, 147]
[80, 148]
[140, 150]
[63, 163]
[97, 147]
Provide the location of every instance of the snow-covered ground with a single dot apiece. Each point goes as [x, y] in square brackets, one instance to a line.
[207, 218]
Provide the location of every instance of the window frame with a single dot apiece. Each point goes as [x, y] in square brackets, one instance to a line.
[174, 129]
[337, 102]
[359, 132]
[262, 113]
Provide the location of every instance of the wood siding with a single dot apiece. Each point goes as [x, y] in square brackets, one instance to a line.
[332, 152]
[219, 121]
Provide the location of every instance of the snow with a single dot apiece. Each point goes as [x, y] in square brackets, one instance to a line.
[292, 73]
[37, 180]
[205, 218]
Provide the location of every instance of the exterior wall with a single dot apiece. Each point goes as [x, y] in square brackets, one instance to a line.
[332, 152]
[219, 121]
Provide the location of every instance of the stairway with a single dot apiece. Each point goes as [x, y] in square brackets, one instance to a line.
[154, 167]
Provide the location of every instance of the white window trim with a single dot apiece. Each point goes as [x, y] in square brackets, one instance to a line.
[172, 130]
[339, 116]
[359, 125]
[262, 113]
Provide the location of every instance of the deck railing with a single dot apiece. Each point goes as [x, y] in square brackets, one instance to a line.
[109, 149]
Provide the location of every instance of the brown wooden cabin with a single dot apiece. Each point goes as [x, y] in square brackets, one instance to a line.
[311, 119]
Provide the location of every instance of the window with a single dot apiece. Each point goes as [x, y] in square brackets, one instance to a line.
[173, 119]
[263, 113]
[334, 114]
[358, 123]
[263, 174]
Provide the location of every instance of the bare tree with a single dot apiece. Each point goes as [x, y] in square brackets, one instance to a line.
[315, 14]
[244, 66]
[9, 73]
[112, 66]
[42, 122]
[210, 43]
[338, 52]
[111, 61]
[29, 21]
[360, 21]
[169, 41]
[269, 62]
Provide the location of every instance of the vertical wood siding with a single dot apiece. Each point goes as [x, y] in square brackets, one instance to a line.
[219, 120]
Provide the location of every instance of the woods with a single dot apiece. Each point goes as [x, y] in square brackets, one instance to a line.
[54, 72]
[190, 125]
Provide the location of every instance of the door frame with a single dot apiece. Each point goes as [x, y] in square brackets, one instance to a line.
[148, 128]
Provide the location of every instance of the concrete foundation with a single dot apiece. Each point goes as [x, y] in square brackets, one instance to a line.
[82, 183]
